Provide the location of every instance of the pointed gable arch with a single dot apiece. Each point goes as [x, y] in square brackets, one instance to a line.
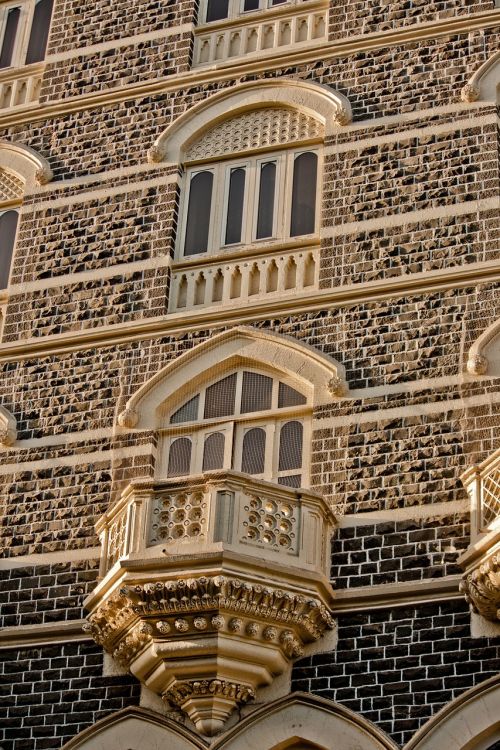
[135, 729]
[301, 720]
[484, 84]
[26, 163]
[319, 374]
[314, 101]
[470, 722]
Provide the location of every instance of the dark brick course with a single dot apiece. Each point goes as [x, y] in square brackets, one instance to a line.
[398, 667]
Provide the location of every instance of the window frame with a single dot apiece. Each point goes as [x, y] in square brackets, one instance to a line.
[23, 31]
[234, 427]
[236, 10]
[252, 161]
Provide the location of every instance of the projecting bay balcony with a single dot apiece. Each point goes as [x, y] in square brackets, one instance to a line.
[481, 561]
[210, 586]
[239, 278]
[20, 86]
[268, 30]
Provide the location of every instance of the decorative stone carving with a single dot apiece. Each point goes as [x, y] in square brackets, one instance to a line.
[470, 93]
[481, 561]
[207, 622]
[207, 702]
[337, 387]
[43, 176]
[477, 365]
[8, 428]
[482, 588]
[128, 418]
[342, 117]
[256, 129]
[155, 155]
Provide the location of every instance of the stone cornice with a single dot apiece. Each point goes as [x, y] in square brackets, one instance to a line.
[352, 294]
[352, 600]
[230, 71]
[42, 635]
[396, 595]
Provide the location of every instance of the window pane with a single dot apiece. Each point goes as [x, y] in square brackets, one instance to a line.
[187, 413]
[9, 37]
[179, 457]
[290, 446]
[39, 31]
[219, 398]
[294, 480]
[235, 206]
[266, 200]
[213, 452]
[217, 9]
[288, 396]
[8, 227]
[305, 170]
[251, 5]
[254, 451]
[257, 392]
[198, 215]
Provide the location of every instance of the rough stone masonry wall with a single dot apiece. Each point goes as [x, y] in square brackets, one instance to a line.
[357, 17]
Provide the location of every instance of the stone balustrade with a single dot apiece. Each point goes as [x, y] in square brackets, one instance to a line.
[20, 86]
[244, 37]
[243, 279]
[481, 561]
[227, 570]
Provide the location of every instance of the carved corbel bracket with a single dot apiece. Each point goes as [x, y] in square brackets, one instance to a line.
[8, 428]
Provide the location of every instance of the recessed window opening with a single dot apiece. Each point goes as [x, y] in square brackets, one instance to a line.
[260, 199]
[218, 10]
[24, 32]
[247, 421]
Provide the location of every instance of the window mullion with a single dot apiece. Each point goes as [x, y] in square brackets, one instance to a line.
[286, 183]
[271, 461]
[216, 212]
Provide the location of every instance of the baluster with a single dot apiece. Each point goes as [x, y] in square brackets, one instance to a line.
[226, 286]
[245, 280]
[191, 290]
[299, 279]
[282, 268]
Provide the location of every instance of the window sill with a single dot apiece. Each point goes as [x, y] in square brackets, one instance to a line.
[247, 252]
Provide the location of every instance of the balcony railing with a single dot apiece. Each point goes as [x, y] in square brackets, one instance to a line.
[269, 30]
[481, 561]
[216, 507]
[243, 279]
[20, 86]
[211, 586]
[482, 483]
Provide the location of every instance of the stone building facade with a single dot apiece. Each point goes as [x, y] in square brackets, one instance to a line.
[250, 262]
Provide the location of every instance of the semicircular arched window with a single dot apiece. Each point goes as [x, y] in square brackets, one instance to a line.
[247, 421]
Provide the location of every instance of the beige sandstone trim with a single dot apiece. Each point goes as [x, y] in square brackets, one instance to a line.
[411, 513]
[99, 193]
[228, 71]
[396, 594]
[477, 362]
[127, 41]
[314, 99]
[121, 269]
[78, 458]
[348, 295]
[26, 636]
[24, 161]
[146, 448]
[485, 81]
[50, 558]
[406, 135]
[412, 217]
[400, 412]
